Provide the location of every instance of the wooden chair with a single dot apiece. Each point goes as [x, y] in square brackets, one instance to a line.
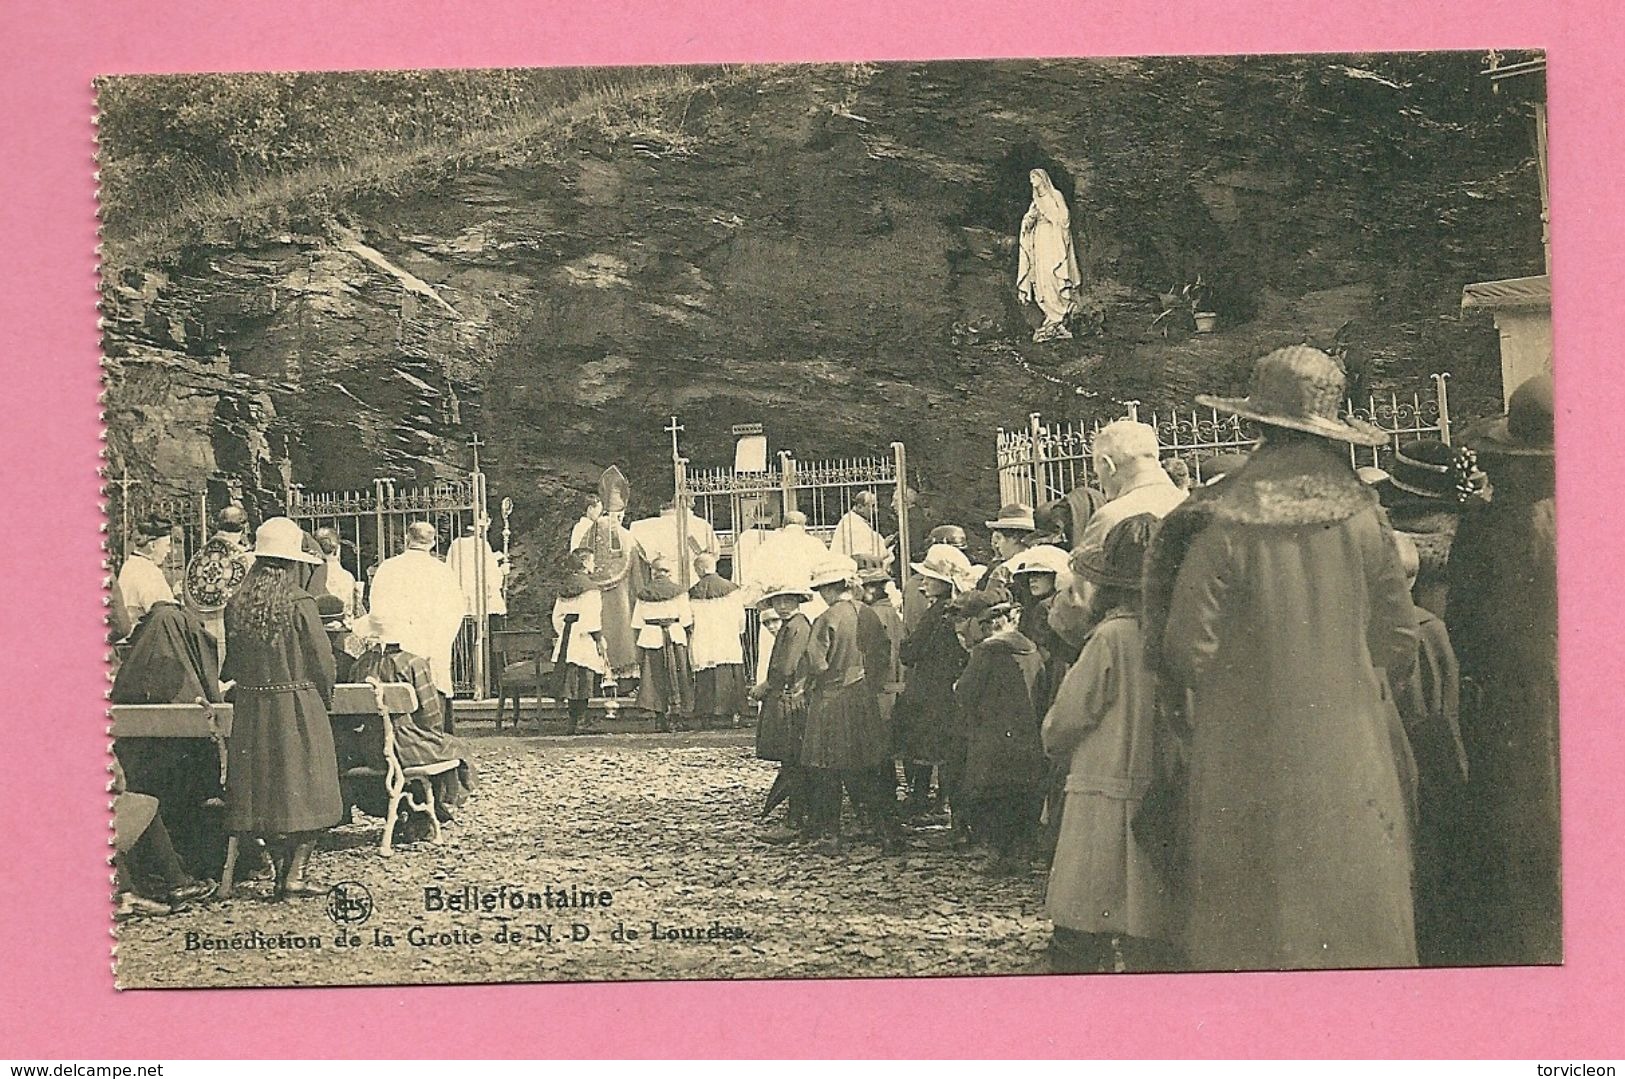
[522, 660]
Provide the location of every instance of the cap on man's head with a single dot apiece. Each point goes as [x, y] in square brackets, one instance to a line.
[154, 528]
[952, 535]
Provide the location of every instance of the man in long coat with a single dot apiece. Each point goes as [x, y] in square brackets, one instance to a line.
[1288, 608]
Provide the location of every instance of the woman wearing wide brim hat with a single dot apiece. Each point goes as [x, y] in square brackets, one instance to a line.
[282, 778]
[1502, 579]
[1427, 486]
[946, 563]
[1298, 388]
[1012, 531]
[834, 570]
[845, 739]
[1288, 606]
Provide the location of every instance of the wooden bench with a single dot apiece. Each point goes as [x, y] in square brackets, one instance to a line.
[201, 719]
[398, 778]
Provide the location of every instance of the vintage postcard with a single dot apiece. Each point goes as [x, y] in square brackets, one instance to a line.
[803, 521]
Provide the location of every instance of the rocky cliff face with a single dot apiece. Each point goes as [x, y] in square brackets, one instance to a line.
[827, 251]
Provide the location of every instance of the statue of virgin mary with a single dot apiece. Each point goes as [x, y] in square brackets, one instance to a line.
[1048, 277]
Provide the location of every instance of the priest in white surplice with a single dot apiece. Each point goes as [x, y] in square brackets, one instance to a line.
[855, 533]
[419, 593]
[463, 559]
[658, 539]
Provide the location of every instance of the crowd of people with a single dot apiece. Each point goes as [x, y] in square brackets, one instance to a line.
[1290, 715]
[1293, 716]
[271, 629]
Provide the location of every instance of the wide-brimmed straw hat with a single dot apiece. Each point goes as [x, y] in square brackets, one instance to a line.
[944, 562]
[280, 537]
[1045, 558]
[836, 569]
[1527, 428]
[1013, 517]
[1299, 388]
[784, 588]
[1118, 562]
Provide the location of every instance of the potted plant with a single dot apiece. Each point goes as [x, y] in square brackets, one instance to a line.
[1200, 298]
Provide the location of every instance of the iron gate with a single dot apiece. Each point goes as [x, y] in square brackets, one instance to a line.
[372, 527]
[1049, 459]
[729, 499]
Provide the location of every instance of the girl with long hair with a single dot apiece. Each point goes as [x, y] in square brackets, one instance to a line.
[282, 780]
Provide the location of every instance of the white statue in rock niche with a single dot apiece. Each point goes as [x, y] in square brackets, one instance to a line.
[1048, 277]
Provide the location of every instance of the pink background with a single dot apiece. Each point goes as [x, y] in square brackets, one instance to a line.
[56, 996]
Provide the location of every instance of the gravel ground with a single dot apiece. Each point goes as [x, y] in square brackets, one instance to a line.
[665, 825]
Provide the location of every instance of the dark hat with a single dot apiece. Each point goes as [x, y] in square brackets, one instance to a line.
[329, 607]
[1431, 471]
[952, 535]
[1527, 428]
[154, 528]
[871, 569]
[1117, 562]
[1216, 468]
[980, 603]
[1300, 388]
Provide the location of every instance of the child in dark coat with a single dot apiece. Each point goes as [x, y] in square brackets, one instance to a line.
[1001, 695]
[1428, 696]
[1111, 905]
[783, 720]
[933, 660]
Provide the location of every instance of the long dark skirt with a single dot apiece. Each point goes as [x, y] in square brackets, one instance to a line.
[720, 690]
[780, 728]
[283, 773]
[844, 729]
[666, 685]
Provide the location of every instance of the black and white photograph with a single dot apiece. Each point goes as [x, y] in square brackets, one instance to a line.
[775, 521]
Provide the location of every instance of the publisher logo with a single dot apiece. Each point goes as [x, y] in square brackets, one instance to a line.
[349, 903]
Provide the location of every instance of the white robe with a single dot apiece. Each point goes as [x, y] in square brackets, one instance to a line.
[142, 585]
[584, 651]
[658, 538]
[718, 638]
[420, 594]
[854, 535]
[342, 583]
[1048, 276]
[748, 571]
[463, 558]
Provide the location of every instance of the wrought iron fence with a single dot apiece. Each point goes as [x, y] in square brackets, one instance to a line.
[129, 506]
[1049, 459]
[372, 525]
[733, 501]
